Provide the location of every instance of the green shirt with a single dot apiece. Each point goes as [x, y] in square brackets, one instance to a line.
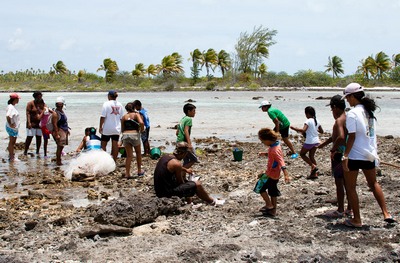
[185, 121]
[274, 113]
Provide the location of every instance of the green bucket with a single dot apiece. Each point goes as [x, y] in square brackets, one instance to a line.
[237, 155]
[155, 153]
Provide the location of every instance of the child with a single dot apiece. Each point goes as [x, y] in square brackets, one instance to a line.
[269, 180]
[45, 123]
[183, 134]
[310, 131]
[83, 144]
[145, 134]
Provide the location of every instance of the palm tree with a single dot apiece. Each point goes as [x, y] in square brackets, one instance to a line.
[262, 69]
[139, 70]
[261, 51]
[210, 60]
[152, 70]
[396, 59]
[81, 74]
[171, 64]
[383, 64]
[224, 61]
[110, 67]
[368, 67]
[60, 67]
[335, 65]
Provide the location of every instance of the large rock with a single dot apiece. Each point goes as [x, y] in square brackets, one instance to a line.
[136, 209]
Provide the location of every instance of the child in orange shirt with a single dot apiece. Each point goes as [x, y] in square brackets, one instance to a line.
[269, 179]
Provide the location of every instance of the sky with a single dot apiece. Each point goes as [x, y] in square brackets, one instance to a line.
[37, 34]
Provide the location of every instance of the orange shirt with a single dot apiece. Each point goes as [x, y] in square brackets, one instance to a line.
[275, 161]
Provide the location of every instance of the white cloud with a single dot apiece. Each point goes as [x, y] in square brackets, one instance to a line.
[67, 44]
[17, 41]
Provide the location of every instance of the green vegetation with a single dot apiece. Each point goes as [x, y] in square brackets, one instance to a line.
[246, 68]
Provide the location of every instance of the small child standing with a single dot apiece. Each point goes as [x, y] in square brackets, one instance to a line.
[310, 130]
[269, 180]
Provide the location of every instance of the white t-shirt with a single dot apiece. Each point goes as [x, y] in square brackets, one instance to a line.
[12, 112]
[364, 147]
[312, 131]
[112, 112]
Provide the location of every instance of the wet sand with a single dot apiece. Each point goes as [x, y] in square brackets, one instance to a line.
[42, 215]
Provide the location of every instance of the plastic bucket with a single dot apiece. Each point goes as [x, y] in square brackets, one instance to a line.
[237, 155]
[155, 153]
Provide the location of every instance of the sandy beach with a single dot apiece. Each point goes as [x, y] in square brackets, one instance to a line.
[42, 217]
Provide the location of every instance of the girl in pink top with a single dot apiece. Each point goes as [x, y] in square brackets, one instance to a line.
[269, 179]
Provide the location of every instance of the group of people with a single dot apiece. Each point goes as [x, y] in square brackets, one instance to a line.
[353, 147]
[40, 121]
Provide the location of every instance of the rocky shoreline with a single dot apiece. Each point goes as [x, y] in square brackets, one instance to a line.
[125, 222]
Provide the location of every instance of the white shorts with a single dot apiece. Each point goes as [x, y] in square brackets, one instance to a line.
[33, 132]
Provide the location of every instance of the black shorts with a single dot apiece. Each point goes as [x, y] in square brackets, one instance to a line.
[355, 165]
[336, 166]
[106, 138]
[187, 189]
[284, 132]
[272, 186]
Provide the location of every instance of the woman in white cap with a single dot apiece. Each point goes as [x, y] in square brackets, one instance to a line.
[60, 128]
[361, 151]
[12, 125]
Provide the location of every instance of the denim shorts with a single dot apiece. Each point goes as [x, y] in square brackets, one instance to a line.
[12, 132]
[131, 139]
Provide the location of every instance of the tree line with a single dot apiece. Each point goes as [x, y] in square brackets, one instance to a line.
[244, 67]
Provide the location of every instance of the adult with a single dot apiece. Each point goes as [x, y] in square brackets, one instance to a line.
[32, 122]
[338, 140]
[60, 128]
[145, 134]
[168, 179]
[361, 151]
[282, 125]
[12, 125]
[131, 127]
[110, 123]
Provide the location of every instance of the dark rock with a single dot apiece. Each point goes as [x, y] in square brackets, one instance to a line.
[136, 209]
[30, 225]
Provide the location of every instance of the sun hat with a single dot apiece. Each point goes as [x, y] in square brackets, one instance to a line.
[337, 101]
[181, 147]
[60, 100]
[14, 96]
[265, 103]
[352, 88]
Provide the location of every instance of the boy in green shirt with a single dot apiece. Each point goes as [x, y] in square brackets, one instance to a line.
[183, 134]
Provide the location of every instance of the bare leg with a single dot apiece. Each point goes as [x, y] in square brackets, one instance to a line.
[267, 200]
[45, 143]
[138, 152]
[10, 147]
[340, 193]
[202, 194]
[114, 149]
[312, 156]
[303, 155]
[351, 183]
[27, 144]
[104, 145]
[58, 154]
[38, 143]
[128, 160]
[289, 144]
[376, 189]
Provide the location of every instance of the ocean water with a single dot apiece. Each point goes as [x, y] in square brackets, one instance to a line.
[232, 115]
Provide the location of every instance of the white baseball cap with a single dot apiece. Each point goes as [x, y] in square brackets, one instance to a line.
[352, 88]
[265, 103]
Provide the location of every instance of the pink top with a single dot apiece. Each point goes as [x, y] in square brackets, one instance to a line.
[275, 161]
